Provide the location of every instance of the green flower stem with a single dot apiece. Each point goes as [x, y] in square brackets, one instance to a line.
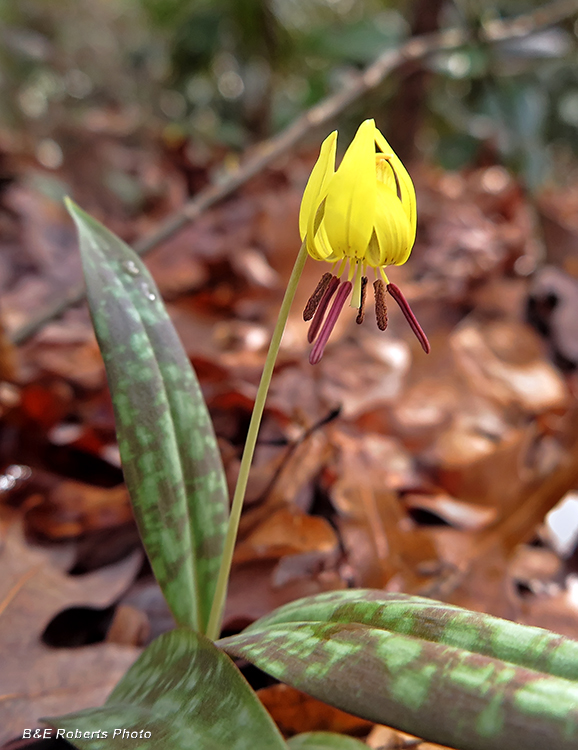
[215, 618]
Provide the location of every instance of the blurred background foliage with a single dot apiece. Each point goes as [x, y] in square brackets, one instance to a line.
[232, 72]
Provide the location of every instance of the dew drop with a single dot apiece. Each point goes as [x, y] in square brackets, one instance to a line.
[131, 267]
[7, 482]
[19, 472]
[147, 292]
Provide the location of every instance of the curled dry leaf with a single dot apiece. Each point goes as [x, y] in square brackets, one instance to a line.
[37, 680]
[288, 533]
[461, 515]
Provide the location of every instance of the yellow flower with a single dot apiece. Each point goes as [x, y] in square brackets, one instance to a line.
[361, 215]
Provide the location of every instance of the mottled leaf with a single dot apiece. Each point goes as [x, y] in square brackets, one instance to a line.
[325, 741]
[423, 667]
[534, 648]
[167, 445]
[187, 694]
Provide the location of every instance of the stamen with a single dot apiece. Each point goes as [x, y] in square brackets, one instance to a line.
[315, 299]
[361, 314]
[342, 266]
[380, 306]
[340, 299]
[355, 300]
[398, 296]
[322, 307]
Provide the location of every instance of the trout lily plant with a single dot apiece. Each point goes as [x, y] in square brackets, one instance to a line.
[459, 678]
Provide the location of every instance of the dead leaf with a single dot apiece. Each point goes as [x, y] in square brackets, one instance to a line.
[295, 712]
[386, 738]
[360, 379]
[129, 627]
[500, 363]
[37, 680]
[287, 533]
[285, 480]
[460, 515]
[79, 364]
[8, 357]
[380, 539]
[254, 590]
[481, 459]
[72, 508]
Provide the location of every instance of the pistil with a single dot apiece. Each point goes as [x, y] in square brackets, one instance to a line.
[361, 314]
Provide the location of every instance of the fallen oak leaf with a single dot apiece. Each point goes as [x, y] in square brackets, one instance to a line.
[35, 679]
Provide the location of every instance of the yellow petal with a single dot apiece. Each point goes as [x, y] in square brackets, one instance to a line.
[351, 196]
[373, 255]
[318, 246]
[406, 185]
[317, 182]
[392, 228]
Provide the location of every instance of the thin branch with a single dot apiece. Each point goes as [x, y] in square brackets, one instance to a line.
[327, 110]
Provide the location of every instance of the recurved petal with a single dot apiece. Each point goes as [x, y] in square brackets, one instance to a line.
[351, 196]
[321, 173]
[318, 245]
[392, 228]
[405, 183]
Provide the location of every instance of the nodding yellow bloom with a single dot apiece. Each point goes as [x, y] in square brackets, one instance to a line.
[361, 215]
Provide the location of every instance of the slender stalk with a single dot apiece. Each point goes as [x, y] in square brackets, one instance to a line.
[216, 616]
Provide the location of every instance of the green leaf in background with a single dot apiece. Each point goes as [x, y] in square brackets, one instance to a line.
[451, 694]
[533, 648]
[325, 741]
[169, 453]
[187, 694]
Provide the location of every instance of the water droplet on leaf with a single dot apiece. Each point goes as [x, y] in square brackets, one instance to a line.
[131, 267]
[148, 293]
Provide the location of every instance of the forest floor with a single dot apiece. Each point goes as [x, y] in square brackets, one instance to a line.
[379, 467]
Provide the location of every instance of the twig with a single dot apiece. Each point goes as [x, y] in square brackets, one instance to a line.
[328, 109]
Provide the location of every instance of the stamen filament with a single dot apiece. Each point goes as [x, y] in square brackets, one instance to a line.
[342, 266]
[315, 299]
[340, 298]
[356, 296]
[320, 312]
[398, 296]
[361, 314]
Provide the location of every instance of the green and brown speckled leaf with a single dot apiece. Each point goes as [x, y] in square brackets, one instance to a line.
[325, 741]
[169, 453]
[534, 648]
[399, 660]
[187, 694]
